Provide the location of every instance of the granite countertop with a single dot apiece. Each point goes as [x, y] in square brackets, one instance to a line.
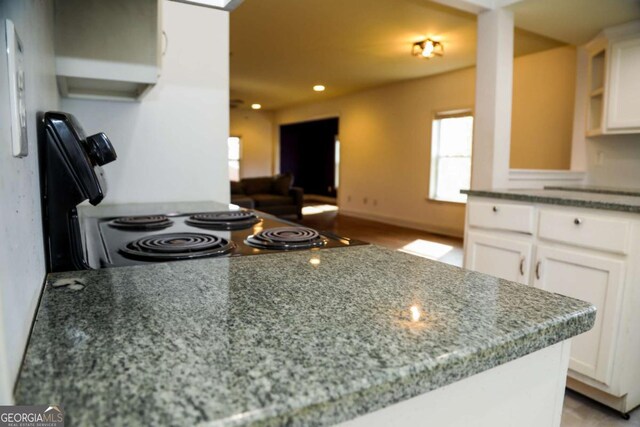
[276, 339]
[597, 189]
[566, 197]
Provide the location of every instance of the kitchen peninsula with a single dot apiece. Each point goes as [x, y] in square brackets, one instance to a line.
[348, 335]
[580, 242]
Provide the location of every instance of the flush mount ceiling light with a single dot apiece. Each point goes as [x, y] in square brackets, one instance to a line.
[319, 88]
[256, 106]
[427, 49]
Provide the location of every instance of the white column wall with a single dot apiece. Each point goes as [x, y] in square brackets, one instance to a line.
[494, 77]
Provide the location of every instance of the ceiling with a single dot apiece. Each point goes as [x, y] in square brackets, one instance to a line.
[281, 48]
[573, 21]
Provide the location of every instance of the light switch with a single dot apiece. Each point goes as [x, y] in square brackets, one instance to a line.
[15, 71]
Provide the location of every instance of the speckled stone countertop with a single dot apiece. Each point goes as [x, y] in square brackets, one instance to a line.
[597, 189]
[582, 199]
[276, 339]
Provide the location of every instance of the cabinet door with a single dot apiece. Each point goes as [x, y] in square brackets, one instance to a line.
[623, 110]
[595, 279]
[497, 256]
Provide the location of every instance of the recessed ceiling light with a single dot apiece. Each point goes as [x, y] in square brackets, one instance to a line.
[319, 88]
[256, 106]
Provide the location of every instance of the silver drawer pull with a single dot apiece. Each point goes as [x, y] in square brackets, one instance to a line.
[495, 209]
[522, 266]
[577, 221]
[538, 269]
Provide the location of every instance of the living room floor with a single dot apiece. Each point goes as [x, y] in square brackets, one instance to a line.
[577, 410]
[324, 217]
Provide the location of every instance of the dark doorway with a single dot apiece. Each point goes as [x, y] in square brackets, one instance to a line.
[308, 151]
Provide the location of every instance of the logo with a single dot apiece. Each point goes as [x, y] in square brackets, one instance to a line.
[32, 416]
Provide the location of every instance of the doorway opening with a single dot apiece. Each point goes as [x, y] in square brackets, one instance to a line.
[311, 152]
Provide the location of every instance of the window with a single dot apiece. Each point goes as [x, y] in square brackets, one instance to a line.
[234, 158]
[336, 176]
[451, 141]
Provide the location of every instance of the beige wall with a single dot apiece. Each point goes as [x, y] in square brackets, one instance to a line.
[255, 128]
[542, 114]
[386, 132]
[385, 139]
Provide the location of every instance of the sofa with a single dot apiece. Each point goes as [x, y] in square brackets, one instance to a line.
[271, 194]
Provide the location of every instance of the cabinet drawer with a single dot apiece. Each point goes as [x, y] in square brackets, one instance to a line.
[501, 216]
[607, 234]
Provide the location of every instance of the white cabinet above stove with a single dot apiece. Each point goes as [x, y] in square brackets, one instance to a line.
[109, 50]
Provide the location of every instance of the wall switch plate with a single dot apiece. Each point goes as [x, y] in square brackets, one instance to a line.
[15, 71]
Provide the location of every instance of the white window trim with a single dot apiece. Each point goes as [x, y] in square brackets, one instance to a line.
[461, 112]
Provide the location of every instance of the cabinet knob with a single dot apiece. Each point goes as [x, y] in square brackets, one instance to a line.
[495, 209]
[577, 221]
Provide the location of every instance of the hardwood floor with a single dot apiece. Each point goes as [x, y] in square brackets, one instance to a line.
[421, 243]
[578, 411]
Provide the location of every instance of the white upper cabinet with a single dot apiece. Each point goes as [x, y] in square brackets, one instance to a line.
[613, 98]
[624, 87]
[108, 50]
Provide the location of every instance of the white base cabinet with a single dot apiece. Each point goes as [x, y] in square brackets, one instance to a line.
[593, 278]
[498, 256]
[587, 254]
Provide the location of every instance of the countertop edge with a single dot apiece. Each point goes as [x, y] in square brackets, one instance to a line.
[523, 197]
[415, 382]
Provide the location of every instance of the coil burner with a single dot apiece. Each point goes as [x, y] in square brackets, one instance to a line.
[177, 246]
[226, 220]
[286, 238]
[145, 222]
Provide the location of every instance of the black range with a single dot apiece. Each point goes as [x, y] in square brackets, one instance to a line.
[71, 173]
[140, 239]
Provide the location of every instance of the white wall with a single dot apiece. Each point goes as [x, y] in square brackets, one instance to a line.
[172, 146]
[614, 161]
[22, 266]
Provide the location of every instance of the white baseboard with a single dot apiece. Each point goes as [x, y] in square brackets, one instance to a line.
[385, 219]
[539, 178]
[318, 198]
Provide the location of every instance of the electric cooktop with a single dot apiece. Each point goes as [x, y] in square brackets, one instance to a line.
[143, 239]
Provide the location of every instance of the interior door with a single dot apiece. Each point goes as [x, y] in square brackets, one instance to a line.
[307, 150]
[508, 259]
[593, 278]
